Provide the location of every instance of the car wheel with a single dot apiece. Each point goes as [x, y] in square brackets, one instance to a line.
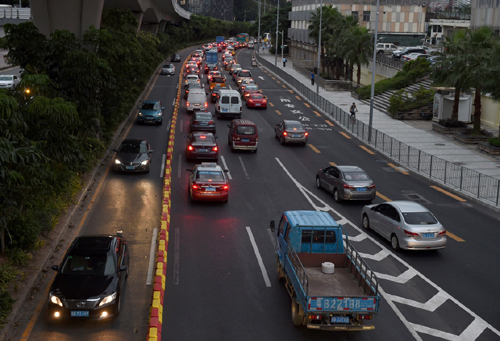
[336, 195]
[297, 313]
[365, 221]
[255, 150]
[161, 122]
[395, 242]
[147, 170]
[279, 270]
[282, 140]
[318, 182]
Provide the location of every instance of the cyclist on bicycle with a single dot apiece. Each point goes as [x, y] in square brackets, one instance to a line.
[353, 111]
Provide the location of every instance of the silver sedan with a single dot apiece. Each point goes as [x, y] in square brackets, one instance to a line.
[407, 224]
[288, 131]
[346, 183]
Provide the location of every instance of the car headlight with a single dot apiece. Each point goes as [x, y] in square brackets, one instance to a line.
[145, 162]
[117, 162]
[140, 114]
[159, 114]
[56, 300]
[108, 299]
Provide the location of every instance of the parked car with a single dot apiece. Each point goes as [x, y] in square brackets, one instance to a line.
[133, 155]
[9, 81]
[407, 224]
[167, 69]
[346, 183]
[202, 121]
[175, 58]
[405, 51]
[90, 279]
[151, 112]
[386, 48]
[288, 131]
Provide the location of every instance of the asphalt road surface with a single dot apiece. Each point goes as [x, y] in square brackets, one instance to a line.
[217, 290]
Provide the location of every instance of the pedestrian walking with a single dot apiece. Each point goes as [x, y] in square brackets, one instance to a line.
[312, 78]
[353, 110]
[284, 62]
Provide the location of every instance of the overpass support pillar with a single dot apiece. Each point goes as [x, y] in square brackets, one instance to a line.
[162, 26]
[75, 16]
[139, 16]
[150, 27]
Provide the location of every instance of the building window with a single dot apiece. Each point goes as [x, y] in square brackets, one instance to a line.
[366, 15]
[437, 28]
[355, 15]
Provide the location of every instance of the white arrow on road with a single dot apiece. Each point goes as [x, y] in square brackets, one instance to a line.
[261, 77]
[303, 118]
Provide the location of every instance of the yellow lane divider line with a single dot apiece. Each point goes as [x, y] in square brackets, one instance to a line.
[453, 236]
[298, 97]
[291, 91]
[317, 113]
[345, 135]
[333, 163]
[278, 82]
[284, 86]
[330, 123]
[398, 169]
[383, 197]
[448, 193]
[367, 150]
[271, 104]
[273, 78]
[278, 112]
[314, 148]
[307, 105]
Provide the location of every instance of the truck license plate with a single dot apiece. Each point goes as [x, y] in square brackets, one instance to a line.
[79, 313]
[340, 319]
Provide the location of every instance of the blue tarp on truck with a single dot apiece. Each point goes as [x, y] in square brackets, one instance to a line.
[211, 57]
[219, 39]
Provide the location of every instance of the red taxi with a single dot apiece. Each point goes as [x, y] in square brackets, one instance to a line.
[208, 182]
[257, 101]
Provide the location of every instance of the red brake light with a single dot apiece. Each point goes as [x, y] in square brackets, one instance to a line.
[226, 187]
[206, 104]
[211, 122]
[410, 234]
[196, 122]
[203, 137]
[306, 133]
[285, 133]
[371, 186]
[348, 186]
[195, 186]
[250, 101]
[187, 103]
[215, 148]
[364, 317]
[442, 233]
[190, 148]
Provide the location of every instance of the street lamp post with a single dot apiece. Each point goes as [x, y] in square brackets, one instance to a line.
[372, 93]
[258, 33]
[277, 28]
[319, 44]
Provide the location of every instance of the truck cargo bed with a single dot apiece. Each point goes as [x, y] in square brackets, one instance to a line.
[339, 283]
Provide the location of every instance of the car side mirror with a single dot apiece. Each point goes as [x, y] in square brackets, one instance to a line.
[272, 225]
[55, 267]
[162, 108]
[123, 268]
[226, 171]
[150, 151]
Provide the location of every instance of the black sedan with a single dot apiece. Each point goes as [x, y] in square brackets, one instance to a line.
[133, 155]
[202, 121]
[175, 58]
[90, 279]
[215, 92]
[202, 146]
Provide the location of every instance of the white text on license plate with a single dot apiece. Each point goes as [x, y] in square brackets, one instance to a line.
[340, 319]
[79, 313]
[428, 235]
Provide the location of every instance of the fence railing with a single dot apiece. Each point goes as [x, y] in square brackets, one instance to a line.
[460, 178]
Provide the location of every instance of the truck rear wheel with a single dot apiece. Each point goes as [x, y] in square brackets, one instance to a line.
[279, 270]
[297, 314]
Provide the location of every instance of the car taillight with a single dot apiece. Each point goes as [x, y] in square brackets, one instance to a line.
[195, 186]
[250, 100]
[306, 134]
[364, 317]
[215, 149]
[211, 122]
[442, 233]
[371, 186]
[348, 186]
[190, 148]
[236, 138]
[410, 234]
[225, 187]
[187, 103]
[206, 104]
[315, 317]
[196, 122]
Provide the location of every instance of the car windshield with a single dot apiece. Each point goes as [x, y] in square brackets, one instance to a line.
[252, 87]
[6, 78]
[203, 116]
[356, 176]
[132, 148]
[419, 218]
[150, 106]
[210, 175]
[235, 66]
[89, 264]
[245, 130]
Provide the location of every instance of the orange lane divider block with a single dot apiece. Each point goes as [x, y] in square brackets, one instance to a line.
[155, 324]
[153, 334]
[162, 248]
[164, 225]
[160, 280]
[158, 295]
[165, 216]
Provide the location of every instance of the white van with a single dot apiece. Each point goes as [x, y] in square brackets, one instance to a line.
[197, 101]
[229, 104]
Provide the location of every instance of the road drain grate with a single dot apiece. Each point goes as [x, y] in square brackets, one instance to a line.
[417, 198]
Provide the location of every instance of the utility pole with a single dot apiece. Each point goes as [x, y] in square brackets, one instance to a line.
[277, 31]
[319, 44]
[258, 33]
[372, 93]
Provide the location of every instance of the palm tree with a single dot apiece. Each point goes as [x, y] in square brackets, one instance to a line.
[356, 47]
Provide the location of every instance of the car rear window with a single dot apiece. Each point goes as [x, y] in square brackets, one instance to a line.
[225, 99]
[204, 138]
[218, 80]
[419, 218]
[245, 130]
[209, 175]
[235, 100]
[203, 116]
[356, 176]
[294, 125]
[245, 74]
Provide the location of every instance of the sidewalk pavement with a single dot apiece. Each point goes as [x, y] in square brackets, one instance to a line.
[416, 134]
[3, 63]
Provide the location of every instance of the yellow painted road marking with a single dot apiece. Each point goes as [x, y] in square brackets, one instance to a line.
[278, 112]
[397, 168]
[333, 163]
[448, 193]
[298, 97]
[291, 91]
[271, 104]
[284, 86]
[345, 135]
[383, 197]
[278, 82]
[307, 105]
[273, 78]
[330, 123]
[314, 148]
[317, 113]
[367, 150]
[453, 236]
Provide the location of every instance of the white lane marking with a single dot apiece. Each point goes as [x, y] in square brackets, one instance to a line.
[162, 170]
[411, 327]
[401, 279]
[259, 258]
[151, 267]
[176, 256]
[376, 257]
[243, 166]
[225, 167]
[173, 102]
[179, 173]
[177, 86]
[431, 305]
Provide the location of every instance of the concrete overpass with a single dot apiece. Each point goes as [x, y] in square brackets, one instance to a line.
[77, 16]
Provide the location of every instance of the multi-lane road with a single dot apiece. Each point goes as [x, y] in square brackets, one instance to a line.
[221, 278]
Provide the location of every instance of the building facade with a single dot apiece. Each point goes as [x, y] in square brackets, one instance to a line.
[485, 13]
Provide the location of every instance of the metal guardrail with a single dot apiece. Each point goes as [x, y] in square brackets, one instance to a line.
[458, 177]
[362, 267]
[298, 268]
[15, 13]
[389, 61]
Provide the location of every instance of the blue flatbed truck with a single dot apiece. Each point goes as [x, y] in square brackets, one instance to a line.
[339, 301]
